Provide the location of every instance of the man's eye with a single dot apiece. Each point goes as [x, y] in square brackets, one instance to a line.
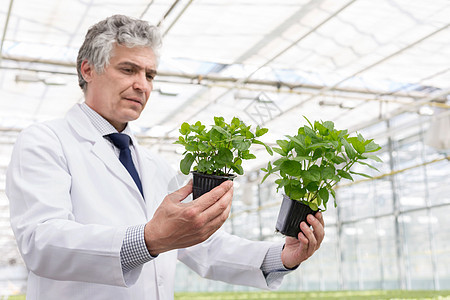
[150, 77]
[127, 70]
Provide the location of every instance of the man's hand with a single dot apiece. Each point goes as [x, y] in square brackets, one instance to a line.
[296, 251]
[179, 225]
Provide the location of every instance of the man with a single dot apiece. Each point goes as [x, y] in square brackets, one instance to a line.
[95, 219]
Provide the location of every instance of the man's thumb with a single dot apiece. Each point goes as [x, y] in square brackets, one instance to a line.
[183, 192]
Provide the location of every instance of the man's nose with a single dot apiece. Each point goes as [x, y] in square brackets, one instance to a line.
[141, 83]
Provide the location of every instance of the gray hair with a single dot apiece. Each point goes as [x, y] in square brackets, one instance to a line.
[101, 38]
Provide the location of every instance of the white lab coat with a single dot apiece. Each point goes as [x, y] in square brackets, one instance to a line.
[71, 202]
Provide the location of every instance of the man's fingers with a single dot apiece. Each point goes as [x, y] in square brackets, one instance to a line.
[208, 199]
[319, 216]
[220, 215]
[312, 242]
[318, 226]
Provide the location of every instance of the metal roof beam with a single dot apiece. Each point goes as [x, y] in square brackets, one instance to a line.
[209, 80]
[6, 28]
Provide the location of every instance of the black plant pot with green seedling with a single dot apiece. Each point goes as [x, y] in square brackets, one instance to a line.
[311, 164]
[213, 154]
[291, 214]
[203, 183]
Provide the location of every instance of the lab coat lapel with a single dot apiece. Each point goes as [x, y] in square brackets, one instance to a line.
[147, 172]
[82, 125]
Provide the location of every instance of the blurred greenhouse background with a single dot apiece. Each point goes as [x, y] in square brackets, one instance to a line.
[381, 68]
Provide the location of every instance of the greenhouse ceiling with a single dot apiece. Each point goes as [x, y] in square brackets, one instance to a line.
[269, 62]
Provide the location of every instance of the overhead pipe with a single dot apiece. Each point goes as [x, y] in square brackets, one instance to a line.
[177, 17]
[5, 29]
[168, 12]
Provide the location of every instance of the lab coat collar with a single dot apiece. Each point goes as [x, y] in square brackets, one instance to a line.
[84, 128]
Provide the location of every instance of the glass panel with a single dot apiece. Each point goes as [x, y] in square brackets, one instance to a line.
[416, 235]
[438, 182]
[385, 232]
[369, 262]
[441, 239]
[349, 254]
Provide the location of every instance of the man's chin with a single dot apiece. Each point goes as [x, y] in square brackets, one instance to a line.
[132, 115]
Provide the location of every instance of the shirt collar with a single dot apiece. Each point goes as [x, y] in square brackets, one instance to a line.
[100, 123]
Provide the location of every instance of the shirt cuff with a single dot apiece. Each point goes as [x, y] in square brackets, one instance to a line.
[272, 266]
[134, 252]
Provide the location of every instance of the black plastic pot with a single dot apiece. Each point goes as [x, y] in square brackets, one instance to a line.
[291, 214]
[203, 183]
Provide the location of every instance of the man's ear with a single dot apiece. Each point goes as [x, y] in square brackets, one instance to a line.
[87, 71]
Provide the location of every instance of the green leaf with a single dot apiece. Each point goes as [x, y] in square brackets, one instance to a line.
[366, 164]
[238, 169]
[248, 156]
[219, 121]
[336, 178]
[333, 193]
[328, 172]
[357, 144]
[284, 145]
[317, 153]
[279, 151]
[301, 158]
[192, 147]
[372, 147]
[324, 195]
[308, 121]
[291, 167]
[361, 174]
[181, 141]
[241, 145]
[186, 163]
[237, 161]
[344, 174]
[312, 187]
[268, 149]
[224, 156]
[312, 174]
[316, 145]
[268, 170]
[197, 127]
[215, 136]
[318, 201]
[313, 206]
[185, 128]
[246, 133]
[296, 192]
[203, 147]
[282, 182]
[322, 129]
[299, 140]
[351, 153]
[329, 125]
[279, 161]
[309, 132]
[222, 131]
[236, 122]
[204, 166]
[307, 141]
[338, 160]
[265, 176]
[260, 131]
[374, 157]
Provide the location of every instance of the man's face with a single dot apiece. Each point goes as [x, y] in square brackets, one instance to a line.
[120, 93]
